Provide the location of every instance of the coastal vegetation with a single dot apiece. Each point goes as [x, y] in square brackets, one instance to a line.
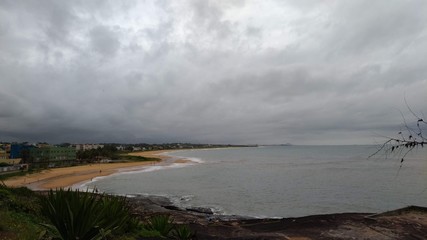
[162, 226]
[7, 175]
[69, 214]
[109, 152]
[84, 215]
[20, 214]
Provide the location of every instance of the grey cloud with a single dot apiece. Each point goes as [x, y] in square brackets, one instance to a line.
[104, 41]
[88, 72]
[209, 15]
[374, 26]
[253, 31]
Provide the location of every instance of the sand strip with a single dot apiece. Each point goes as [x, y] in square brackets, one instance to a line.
[68, 176]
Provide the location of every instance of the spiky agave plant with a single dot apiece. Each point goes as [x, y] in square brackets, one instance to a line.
[85, 215]
[162, 224]
[182, 232]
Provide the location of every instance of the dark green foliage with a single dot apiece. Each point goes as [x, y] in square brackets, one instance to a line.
[162, 226]
[19, 199]
[137, 158]
[182, 232]
[5, 176]
[24, 214]
[3, 164]
[19, 226]
[108, 151]
[83, 215]
[19, 214]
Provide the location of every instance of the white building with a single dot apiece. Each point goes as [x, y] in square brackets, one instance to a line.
[84, 147]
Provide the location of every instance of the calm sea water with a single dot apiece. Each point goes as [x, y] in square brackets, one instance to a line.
[282, 181]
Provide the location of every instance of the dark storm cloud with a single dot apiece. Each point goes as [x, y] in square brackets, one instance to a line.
[210, 71]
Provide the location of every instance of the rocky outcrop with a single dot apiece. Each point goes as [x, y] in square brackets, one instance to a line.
[406, 223]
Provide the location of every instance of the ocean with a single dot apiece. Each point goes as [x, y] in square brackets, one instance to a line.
[280, 181]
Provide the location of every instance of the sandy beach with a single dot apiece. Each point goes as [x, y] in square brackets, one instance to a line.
[68, 176]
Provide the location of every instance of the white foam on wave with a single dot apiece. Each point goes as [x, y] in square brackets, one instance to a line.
[174, 155]
[185, 202]
[195, 160]
[154, 168]
[137, 170]
[187, 161]
[84, 186]
[190, 159]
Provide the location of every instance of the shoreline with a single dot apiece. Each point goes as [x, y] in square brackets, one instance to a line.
[403, 223]
[76, 175]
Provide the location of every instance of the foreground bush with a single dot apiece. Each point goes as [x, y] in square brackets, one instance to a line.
[86, 216]
[162, 226]
[68, 214]
[20, 214]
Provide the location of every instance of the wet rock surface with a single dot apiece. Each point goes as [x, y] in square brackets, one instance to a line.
[406, 223]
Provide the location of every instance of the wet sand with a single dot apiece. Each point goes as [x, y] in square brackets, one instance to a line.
[68, 176]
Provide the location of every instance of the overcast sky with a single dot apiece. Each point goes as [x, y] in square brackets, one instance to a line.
[300, 71]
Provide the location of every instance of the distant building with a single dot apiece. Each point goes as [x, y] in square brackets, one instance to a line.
[84, 147]
[120, 148]
[17, 150]
[3, 155]
[50, 156]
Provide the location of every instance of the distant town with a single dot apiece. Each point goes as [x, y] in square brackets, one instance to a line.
[22, 156]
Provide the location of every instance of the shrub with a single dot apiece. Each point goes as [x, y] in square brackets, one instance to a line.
[19, 214]
[182, 232]
[161, 224]
[19, 199]
[86, 216]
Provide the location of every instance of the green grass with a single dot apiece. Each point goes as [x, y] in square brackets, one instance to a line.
[20, 214]
[18, 225]
[5, 176]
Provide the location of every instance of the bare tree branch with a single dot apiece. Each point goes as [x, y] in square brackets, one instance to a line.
[407, 140]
